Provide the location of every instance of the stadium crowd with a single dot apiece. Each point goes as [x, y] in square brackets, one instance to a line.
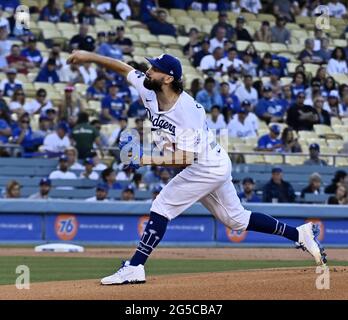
[240, 89]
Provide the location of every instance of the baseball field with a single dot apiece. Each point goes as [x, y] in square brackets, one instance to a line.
[176, 273]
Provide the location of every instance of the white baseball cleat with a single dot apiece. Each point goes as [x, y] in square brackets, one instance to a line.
[308, 241]
[127, 274]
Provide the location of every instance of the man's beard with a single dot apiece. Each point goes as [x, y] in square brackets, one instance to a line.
[155, 85]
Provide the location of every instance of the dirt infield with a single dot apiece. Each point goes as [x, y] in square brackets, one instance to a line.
[290, 283]
[271, 284]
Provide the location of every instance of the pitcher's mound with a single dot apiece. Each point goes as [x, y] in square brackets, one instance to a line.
[296, 283]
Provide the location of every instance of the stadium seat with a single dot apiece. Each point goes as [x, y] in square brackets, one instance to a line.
[303, 20]
[212, 15]
[178, 12]
[294, 160]
[305, 135]
[312, 68]
[95, 106]
[195, 14]
[273, 159]
[202, 21]
[341, 162]
[242, 45]
[277, 47]
[285, 80]
[340, 78]
[151, 40]
[167, 40]
[139, 51]
[46, 25]
[265, 17]
[184, 20]
[182, 40]
[322, 129]
[249, 159]
[295, 47]
[154, 52]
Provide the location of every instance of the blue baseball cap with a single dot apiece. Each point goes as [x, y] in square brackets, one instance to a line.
[314, 146]
[246, 103]
[274, 128]
[63, 157]
[156, 189]
[277, 169]
[167, 64]
[89, 161]
[46, 181]
[103, 187]
[64, 126]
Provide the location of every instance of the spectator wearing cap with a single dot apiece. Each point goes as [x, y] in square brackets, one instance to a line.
[333, 105]
[109, 178]
[56, 142]
[223, 22]
[89, 173]
[270, 109]
[126, 44]
[314, 186]
[40, 104]
[160, 25]
[279, 32]
[13, 190]
[251, 6]
[278, 190]
[45, 126]
[97, 91]
[231, 61]
[82, 40]
[241, 33]
[31, 53]
[264, 34]
[10, 84]
[246, 91]
[198, 56]
[16, 61]
[301, 116]
[248, 194]
[219, 39]
[23, 135]
[63, 170]
[337, 62]
[314, 159]
[71, 74]
[48, 73]
[87, 14]
[113, 107]
[44, 190]
[68, 14]
[127, 194]
[50, 12]
[209, 96]
[229, 100]
[216, 120]
[85, 135]
[212, 64]
[101, 193]
[270, 141]
[324, 115]
[238, 127]
[110, 48]
[193, 45]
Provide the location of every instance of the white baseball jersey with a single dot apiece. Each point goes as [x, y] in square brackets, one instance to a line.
[208, 180]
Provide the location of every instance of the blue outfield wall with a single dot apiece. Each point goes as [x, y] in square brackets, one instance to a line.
[33, 221]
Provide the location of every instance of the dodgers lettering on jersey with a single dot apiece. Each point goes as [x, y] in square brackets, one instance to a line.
[183, 127]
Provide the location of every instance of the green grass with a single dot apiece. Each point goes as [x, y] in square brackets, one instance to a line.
[66, 268]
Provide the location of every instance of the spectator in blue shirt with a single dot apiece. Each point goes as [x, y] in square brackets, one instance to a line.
[50, 12]
[23, 135]
[270, 141]
[9, 85]
[48, 73]
[109, 178]
[248, 194]
[9, 5]
[229, 100]
[270, 109]
[5, 129]
[209, 96]
[160, 26]
[113, 107]
[148, 10]
[97, 91]
[31, 52]
[68, 15]
[137, 109]
[198, 56]
[110, 48]
[298, 83]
